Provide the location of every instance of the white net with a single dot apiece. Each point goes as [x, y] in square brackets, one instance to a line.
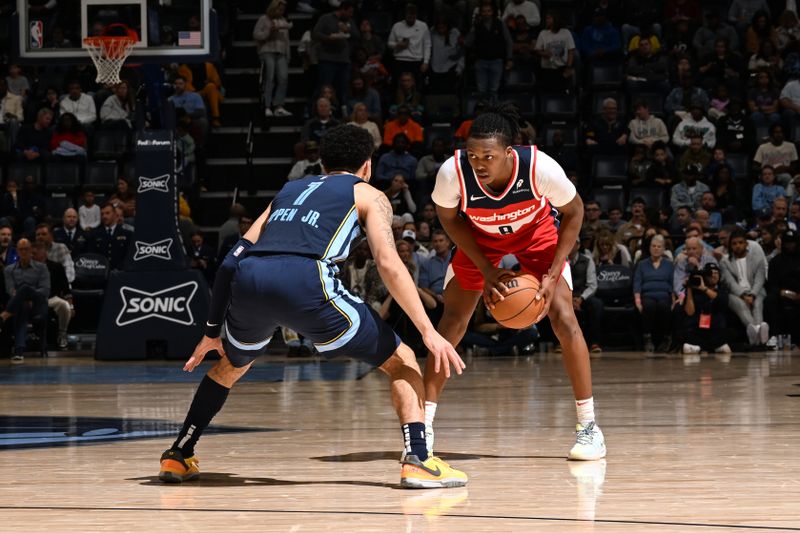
[108, 55]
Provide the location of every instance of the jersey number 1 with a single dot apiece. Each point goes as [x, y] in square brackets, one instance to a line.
[313, 186]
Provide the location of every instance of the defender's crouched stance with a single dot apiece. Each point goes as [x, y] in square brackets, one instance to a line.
[282, 273]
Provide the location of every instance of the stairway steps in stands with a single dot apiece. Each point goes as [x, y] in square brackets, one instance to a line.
[273, 141]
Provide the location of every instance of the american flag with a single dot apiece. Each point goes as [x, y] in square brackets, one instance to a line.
[188, 38]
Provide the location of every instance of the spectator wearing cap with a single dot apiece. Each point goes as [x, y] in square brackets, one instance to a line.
[396, 161]
[635, 227]
[647, 70]
[744, 272]
[696, 155]
[410, 42]
[645, 128]
[402, 124]
[311, 165]
[399, 195]
[689, 192]
[782, 304]
[600, 40]
[778, 154]
[765, 192]
[606, 133]
[695, 124]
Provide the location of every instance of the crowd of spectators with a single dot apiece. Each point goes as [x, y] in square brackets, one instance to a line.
[677, 121]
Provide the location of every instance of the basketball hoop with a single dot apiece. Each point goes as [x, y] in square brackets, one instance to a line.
[108, 54]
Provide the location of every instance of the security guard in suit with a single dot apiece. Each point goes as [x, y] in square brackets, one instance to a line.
[110, 238]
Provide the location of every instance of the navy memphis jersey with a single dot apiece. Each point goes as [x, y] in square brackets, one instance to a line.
[315, 217]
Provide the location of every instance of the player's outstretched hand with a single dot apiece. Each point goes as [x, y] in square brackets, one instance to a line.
[443, 354]
[205, 345]
[493, 286]
[547, 290]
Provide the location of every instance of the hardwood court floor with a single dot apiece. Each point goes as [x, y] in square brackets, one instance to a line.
[708, 446]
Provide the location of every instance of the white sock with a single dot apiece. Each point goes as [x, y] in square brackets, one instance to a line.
[430, 412]
[585, 410]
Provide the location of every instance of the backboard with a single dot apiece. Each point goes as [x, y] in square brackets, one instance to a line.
[167, 30]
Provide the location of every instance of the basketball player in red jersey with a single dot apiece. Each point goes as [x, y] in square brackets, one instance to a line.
[495, 199]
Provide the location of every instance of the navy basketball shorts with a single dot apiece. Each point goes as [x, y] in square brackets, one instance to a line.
[301, 294]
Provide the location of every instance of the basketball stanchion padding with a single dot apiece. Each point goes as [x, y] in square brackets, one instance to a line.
[518, 309]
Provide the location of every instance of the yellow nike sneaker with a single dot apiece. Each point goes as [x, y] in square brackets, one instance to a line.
[177, 469]
[433, 473]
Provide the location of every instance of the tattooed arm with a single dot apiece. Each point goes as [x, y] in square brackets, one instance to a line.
[375, 213]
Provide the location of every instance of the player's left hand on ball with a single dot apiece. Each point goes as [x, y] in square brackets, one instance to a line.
[443, 354]
[205, 345]
[493, 286]
[546, 291]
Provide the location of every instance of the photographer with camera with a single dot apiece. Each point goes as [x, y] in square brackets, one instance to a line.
[705, 306]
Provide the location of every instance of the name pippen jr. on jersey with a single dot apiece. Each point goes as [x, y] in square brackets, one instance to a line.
[288, 214]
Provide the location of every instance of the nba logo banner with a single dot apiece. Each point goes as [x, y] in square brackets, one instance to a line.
[36, 35]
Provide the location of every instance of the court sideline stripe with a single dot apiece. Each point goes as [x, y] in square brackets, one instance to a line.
[390, 513]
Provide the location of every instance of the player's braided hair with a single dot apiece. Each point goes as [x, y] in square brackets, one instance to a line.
[500, 121]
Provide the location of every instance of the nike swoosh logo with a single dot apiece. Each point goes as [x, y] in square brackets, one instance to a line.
[437, 472]
[473, 198]
[581, 404]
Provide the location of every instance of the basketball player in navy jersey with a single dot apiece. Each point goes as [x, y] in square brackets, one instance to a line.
[495, 199]
[282, 273]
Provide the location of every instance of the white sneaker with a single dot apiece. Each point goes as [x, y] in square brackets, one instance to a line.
[690, 348]
[723, 349]
[268, 113]
[282, 112]
[772, 343]
[590, 445]
[752, 334]
[763, 333]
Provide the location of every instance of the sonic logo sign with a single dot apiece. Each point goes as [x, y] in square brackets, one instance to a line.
[172, 304]
[160, 184]
[158, 250]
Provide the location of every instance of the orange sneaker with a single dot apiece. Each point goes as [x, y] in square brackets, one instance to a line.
[177, 469]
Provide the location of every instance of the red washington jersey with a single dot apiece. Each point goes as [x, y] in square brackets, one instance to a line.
[520, 217]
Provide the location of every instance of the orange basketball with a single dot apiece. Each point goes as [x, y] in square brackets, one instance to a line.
[518, 309]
